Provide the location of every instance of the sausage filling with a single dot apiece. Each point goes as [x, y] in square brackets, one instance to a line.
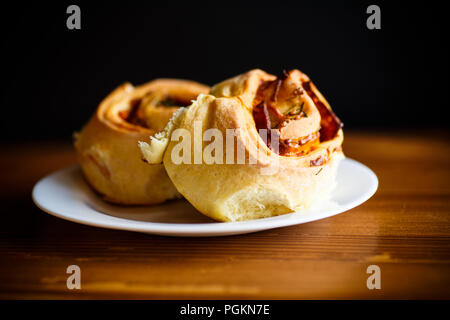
[300, 119]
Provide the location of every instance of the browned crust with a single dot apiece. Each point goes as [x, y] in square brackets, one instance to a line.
[107, 147]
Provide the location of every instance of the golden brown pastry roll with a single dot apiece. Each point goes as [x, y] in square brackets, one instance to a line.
[287, 146]
[107, 147]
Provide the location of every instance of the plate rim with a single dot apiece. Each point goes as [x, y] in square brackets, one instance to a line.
[207, 228]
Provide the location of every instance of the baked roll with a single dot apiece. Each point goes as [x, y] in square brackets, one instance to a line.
[284, 159]
[107, 147]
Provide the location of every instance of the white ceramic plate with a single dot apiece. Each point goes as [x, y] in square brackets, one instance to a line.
[66, 195]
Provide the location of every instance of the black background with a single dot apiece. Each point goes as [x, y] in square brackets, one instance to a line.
[53, 78]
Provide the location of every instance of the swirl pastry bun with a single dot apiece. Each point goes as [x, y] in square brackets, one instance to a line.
[291, 169]
[107, 147]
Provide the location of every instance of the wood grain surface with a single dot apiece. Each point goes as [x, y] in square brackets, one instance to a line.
[404, 229]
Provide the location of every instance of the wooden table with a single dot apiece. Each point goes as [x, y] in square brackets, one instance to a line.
[404, 229]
